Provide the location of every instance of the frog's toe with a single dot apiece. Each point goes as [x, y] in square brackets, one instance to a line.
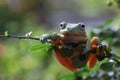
[44, 38]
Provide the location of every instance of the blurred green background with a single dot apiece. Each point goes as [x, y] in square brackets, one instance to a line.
[18, 62]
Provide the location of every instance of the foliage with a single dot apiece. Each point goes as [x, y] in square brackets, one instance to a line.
[113, 2]
[20, 65]
[31, 60]
[109, 33]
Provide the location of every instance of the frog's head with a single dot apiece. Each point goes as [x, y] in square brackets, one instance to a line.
[72, 28]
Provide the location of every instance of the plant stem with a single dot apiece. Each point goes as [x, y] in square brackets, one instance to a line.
[113, 57]
[20, 37]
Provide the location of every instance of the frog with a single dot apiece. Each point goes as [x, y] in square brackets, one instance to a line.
[72, 47]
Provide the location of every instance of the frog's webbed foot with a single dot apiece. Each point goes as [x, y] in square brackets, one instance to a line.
[55, 36]
[99, 49]
[45, 38]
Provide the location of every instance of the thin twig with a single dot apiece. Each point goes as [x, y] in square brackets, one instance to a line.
[20, 37]
[113, 57]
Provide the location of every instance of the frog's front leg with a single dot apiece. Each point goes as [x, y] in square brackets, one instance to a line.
[45, 38]
[48, 38]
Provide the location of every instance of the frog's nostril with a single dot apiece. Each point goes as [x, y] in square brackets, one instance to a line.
[68, 29]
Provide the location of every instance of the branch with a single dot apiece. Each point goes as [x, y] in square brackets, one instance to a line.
[114, 57]
[20, 37]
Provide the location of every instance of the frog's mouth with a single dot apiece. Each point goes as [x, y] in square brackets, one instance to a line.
[74, 34]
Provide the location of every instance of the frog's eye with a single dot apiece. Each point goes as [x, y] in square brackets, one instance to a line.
[63, 25]
[82, 25]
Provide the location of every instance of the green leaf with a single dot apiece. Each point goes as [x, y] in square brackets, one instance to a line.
[67, 77]
[108, 22]
[117, 57]
[41, 47]
[109, 54]
[118, 3]
[107, 66]
[6, 33]
[91, 34]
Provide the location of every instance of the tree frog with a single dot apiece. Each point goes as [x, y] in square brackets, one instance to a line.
[72, 47]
